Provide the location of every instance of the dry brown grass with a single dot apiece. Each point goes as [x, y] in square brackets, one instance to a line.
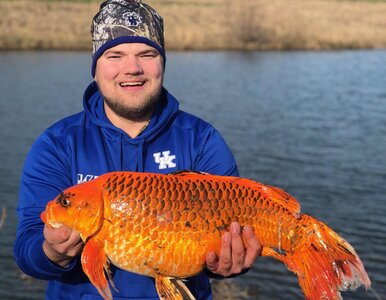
[208, 24]
[41, 25]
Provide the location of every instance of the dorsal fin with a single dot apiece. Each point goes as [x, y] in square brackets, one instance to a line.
[188, 172]
[275, 194]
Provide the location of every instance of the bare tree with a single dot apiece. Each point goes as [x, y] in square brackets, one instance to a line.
[244, 23]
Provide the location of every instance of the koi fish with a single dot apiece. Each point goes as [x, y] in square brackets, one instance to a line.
[164, 225]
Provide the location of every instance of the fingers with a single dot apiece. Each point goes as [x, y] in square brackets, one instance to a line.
[239, 250]
[74, 244]
[211, 261]
[61, 244]
[225, 259]
[56, 235]
[232, 253]
[221, 265]
[74, 238]
[253, 246]
[61, 235]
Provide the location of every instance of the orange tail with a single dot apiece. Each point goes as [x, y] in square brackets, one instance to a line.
[325, 264]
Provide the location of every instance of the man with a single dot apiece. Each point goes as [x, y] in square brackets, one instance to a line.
[130, 122]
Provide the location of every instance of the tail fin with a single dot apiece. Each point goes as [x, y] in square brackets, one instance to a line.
[325, 265]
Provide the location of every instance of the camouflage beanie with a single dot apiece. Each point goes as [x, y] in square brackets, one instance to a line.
[125, 21]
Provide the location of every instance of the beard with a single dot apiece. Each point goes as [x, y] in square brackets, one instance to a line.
[139, 111]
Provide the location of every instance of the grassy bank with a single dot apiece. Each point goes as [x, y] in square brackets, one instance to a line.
[207, 24]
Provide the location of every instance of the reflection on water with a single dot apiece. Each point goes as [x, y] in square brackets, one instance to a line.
[312, 123]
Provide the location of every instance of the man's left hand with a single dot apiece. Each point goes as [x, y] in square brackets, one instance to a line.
[235, 255]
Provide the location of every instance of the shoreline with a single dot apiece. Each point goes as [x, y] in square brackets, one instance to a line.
[207, 25]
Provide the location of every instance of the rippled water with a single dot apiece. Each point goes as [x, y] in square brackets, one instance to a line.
[313, 123]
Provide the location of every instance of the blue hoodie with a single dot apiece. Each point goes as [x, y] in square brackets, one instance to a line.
[86, 145]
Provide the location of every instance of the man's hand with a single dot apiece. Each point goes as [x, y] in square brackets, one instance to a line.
[235, 256]
[61, 245]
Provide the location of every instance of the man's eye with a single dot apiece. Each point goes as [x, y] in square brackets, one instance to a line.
[149, 55]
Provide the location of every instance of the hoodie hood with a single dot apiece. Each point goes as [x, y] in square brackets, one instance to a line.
[119, 141]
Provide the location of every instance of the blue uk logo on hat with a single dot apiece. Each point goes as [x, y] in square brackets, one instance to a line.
[132, 18]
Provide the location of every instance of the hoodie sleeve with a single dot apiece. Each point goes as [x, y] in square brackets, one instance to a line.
[45, 174]
[215, 156]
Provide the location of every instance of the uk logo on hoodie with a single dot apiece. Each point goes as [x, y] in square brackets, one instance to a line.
[164, 161]
[85, 177]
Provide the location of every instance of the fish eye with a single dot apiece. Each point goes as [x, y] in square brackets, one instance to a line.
[64, 199]
[65, 202]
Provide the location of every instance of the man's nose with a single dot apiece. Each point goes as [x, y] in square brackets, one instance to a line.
[132, 66]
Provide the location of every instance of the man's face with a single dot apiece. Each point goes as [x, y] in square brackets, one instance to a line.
[130, 78]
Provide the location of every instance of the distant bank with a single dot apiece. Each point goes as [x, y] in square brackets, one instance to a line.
[207, 24]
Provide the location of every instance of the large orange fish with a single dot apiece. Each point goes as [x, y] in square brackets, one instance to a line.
[164, 225]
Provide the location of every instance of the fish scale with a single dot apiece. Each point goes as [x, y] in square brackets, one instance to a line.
[164, 225]
[147, 211]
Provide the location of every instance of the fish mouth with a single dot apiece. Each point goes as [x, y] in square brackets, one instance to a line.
[49, 223]
[43, 216]
[54, 225]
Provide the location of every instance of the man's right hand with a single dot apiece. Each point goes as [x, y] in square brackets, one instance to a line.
[61, 245]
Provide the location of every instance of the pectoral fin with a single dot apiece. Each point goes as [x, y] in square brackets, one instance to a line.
[94, 262]
[172, 289]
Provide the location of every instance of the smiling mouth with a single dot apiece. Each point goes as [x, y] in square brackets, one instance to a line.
[131, 84]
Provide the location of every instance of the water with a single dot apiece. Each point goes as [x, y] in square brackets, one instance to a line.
[313, 123]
